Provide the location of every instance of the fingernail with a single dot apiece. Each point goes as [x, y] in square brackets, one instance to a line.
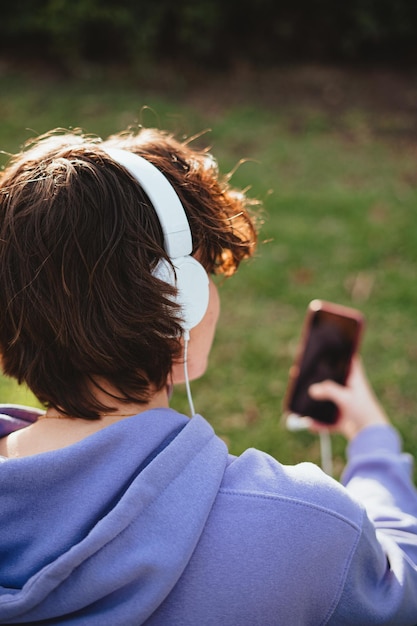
[314, 389]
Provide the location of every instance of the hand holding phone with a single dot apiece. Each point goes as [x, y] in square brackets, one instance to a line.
[330, 337]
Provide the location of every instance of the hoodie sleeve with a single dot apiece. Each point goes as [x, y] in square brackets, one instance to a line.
[381, 580]
[16, 416]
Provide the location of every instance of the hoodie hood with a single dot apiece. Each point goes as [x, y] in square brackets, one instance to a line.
[105, 527]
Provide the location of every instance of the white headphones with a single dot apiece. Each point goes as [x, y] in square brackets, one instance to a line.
[189, 277]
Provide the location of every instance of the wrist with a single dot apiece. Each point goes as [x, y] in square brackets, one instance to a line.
[352, 430]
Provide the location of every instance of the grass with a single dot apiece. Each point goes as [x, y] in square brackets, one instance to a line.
[339, 189]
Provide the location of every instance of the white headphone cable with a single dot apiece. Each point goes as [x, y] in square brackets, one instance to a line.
[186, 378]
[296, 423]
[326, 452]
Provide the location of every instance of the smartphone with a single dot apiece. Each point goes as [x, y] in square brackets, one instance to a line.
[330, 337]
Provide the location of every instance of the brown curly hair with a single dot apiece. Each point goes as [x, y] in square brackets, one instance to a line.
[78, 242]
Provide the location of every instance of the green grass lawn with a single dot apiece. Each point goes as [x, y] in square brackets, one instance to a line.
[339, 189]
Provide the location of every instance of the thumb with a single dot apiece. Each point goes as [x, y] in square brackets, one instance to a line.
[328, 390]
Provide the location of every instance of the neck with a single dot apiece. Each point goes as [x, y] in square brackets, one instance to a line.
[56, 430]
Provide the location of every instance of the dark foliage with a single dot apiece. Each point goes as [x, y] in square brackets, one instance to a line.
[213, 32]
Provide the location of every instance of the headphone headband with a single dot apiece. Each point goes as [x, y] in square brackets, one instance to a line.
[164, 199]
[184, 272]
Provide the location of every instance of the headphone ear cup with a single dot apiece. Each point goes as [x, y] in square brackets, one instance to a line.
[192, 284]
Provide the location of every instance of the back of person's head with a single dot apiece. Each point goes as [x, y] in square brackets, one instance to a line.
[79, 241]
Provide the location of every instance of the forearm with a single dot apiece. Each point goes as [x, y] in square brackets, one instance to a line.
[382, 578]
[379, 475]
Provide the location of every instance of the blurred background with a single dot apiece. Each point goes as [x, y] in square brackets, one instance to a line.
[313, 106]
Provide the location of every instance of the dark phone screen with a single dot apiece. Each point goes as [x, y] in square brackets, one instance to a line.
[328, 351]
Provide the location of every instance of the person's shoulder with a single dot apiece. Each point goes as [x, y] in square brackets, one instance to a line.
[255, 474]
[271, 522]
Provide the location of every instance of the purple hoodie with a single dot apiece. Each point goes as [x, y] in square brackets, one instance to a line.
[151, 521]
